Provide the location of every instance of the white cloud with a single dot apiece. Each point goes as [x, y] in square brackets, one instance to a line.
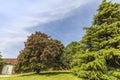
[17, 15]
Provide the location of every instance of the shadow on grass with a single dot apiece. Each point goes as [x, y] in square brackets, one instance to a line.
[54, 73]
[47, 73]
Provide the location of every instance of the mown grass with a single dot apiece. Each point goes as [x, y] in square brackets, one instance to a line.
[51, 75]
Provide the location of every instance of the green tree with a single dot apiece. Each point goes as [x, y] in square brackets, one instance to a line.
[108, 12]
[41, 51]
[105, 28]
[70, 50]
[101, 59]
[1, 61]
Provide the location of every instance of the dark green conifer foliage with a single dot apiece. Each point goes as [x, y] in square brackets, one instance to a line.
[1, 61]
[101, 59]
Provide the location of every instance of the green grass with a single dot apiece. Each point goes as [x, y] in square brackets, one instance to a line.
[51, 75]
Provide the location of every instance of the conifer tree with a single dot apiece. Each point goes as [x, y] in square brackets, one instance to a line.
[1, 61]
[101, 59]
[105, 28]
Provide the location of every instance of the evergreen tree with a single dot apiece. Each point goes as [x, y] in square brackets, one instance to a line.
[108, 12]
[41, 51]
[101, 59]
[105, 28]
[1, 61]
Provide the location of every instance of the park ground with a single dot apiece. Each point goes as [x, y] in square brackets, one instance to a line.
[45, 75]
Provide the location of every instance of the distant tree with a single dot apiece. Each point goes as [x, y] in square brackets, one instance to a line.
[41, 51]
[101, 59]
[1, 61]
[70, 50]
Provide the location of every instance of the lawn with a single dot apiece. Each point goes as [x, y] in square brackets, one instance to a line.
[51, 75]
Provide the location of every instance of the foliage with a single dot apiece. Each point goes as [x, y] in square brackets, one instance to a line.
[101, 57]
[105, 31]
[69, 51]
[108, 12]
[41, 51]
[102, 37]
[1, 61]
[98, 65]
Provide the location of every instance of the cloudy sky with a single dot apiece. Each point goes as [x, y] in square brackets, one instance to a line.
[61, 19]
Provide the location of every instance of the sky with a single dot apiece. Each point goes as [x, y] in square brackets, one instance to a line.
[61, 19]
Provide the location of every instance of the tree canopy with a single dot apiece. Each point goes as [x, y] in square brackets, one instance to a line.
[69, 51]
[41, 51]
[101, 58]
[1, 61]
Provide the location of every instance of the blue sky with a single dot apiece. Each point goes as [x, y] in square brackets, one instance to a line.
[61, 19]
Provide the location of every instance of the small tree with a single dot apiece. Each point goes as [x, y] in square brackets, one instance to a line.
[41, 51]
[1, 61]
[70, 50]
